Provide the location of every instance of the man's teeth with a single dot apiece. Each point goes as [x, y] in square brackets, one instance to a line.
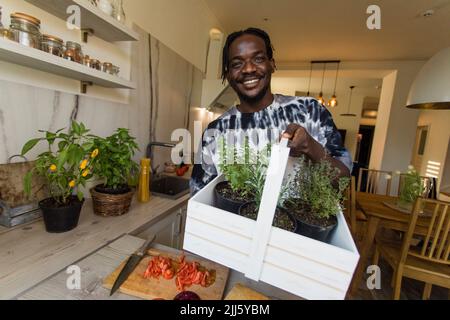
[251, 81]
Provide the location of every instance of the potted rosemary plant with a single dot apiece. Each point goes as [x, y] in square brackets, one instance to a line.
[67, 164]
[116, 167]
[234, 164]
[255, 183]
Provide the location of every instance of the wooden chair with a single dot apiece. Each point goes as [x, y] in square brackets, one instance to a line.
[353, 214]
[371, 181]
[429, 262]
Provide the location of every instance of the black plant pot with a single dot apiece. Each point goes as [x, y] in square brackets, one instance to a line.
[315, 232]
[279, 209]
[225, 203]
[60, 219]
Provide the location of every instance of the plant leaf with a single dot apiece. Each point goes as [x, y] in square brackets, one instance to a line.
[62, 159]
[80, 195]
[29, 145]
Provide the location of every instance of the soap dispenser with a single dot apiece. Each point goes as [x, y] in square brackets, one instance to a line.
[144, 181]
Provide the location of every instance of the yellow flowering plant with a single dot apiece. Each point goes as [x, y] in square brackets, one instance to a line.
[67, 163]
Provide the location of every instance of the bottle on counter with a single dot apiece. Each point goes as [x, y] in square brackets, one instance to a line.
[144, 181]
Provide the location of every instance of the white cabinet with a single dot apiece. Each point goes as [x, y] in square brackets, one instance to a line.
[169, 230]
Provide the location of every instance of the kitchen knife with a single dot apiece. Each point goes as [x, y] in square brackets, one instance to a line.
[131, 264]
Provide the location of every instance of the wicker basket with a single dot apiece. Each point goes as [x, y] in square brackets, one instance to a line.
[111, 205]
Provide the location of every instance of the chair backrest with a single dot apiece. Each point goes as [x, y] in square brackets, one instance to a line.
[436, 245]
[374, 181]
[350, 205]
[429, 184]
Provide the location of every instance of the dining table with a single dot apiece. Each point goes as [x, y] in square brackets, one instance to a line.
[381, 212]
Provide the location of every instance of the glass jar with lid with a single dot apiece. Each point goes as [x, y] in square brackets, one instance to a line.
[73, 52]
[25, 29]
[53, 45]
[95, 64]
[108, 67]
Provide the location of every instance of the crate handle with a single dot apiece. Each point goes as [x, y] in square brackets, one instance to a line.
[275, 175]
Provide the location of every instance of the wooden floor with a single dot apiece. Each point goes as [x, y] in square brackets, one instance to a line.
[411, 289]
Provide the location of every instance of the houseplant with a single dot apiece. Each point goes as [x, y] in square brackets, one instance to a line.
[255, 183]
[313, 196]
[116, 167]
[67, 164]
[234, 165]
[411, 187]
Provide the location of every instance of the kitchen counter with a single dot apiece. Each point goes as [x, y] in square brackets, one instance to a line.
[29, 255]
[100, 264]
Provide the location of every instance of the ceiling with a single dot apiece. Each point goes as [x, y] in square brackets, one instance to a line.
[304, 30]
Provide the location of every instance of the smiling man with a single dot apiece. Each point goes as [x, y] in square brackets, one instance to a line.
[248, 65]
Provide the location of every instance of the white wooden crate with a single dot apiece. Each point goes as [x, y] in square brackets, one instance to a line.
[303, 266]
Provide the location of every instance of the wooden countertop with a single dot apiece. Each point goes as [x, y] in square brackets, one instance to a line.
[100, 264]
[29, 255]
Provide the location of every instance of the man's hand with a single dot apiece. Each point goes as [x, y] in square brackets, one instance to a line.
[300, 141]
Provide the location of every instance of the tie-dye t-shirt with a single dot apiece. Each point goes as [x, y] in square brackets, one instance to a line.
[264, 127]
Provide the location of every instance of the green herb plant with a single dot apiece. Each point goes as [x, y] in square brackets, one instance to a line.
[411, 187]
[244, 168]
[115, 161]
[313, 186]
[66, 164]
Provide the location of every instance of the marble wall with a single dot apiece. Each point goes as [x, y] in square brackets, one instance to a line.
[168, 88]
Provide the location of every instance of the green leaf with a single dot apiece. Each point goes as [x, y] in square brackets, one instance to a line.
[29, 145]
[62, 159]
[50, 137]
[76, 128]
[62, 145]
[88, 146]
[80, 195]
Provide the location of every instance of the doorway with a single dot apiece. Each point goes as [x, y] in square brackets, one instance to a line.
[364, 145]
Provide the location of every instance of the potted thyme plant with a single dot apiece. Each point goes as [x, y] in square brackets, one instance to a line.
[66, 164]
[116, 167]
[314, 196]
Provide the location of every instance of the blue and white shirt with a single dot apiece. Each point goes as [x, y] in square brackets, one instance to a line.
[264, 127]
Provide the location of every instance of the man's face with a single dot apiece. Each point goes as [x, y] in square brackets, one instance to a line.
[250, 70]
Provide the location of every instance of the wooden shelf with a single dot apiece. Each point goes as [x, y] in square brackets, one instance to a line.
[104, 26]
[16, 53]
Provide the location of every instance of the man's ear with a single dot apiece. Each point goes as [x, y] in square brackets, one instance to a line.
[274, 65]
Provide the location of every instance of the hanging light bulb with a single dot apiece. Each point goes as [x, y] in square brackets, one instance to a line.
[320, 98]
[348, 114]
[334, 102]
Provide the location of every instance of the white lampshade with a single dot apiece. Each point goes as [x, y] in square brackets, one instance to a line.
[431, 89]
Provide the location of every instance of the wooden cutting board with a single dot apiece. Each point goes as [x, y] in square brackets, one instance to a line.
[161, 288]
[241, 292]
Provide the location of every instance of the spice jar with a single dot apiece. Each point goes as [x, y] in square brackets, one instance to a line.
[87, 61]
[53, 45]
[25, 30]
[116, 70]
[5, 33]
[95, 64]
[108, 67]
[73, 52]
